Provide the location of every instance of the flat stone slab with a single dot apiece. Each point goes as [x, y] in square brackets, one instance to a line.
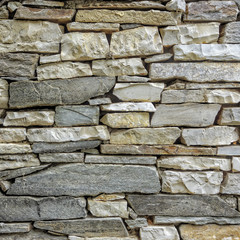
[136, 223]
[181, 205]
[228, 151]
[90, 227]
[15, 148]
[21, 209]
[132, 79]
[74, 91]
[10, 135]
[15, 227]
[230, 116]
[94, 179]
[231, 184]
[158, 58]
[43, 3]
[61, 157]
[50, 59]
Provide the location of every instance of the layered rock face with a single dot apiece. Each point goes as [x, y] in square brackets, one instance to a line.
[119, 120]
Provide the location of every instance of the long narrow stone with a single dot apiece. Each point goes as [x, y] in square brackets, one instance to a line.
[15, 227]
[15, 148]
[61, 157]
[228, 151]
[43, 3]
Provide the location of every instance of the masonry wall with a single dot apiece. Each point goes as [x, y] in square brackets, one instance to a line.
[119, 120]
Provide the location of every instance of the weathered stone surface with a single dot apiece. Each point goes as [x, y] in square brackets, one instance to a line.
[61, 157]
[110, 197]
[191, 182]
[118, 67]
[195, 163]
[190, 33]
[89, 227]
[236, 164]
[93, 27]
[126, 120]
[13, 6]
[15, 227]
[182, 115]
[18, 161]
[32, 209]
[18, 65]
[29, 118]
[93, 180]
[67, 134]
[217, 135]
[43, 3]
[76, 115]
[231, 184]
[126, 26]
[133, 79]
[10, 135]
[229, 151]
[63, 70]
[211, 231]
[99, 101]
[129, 107]
[14, 148]
[123, 43]
[149, 136]
[230, 200]
[152, 17]
[3, 93]
[146, 92]
[230, 116]
[4, 12]
[64, 147]
[159, 232]
[137, 223]
[5, 185]
[220, 11]
[50, 59]
[84, 46]
[210, 52]
[158, 58]
[196, 72]
[176, 5]
[230, 33]
[108, 208]
[55, 92]
[139, 160]
[181, 205]
[54, 15]
[102, 238]
[156, 150]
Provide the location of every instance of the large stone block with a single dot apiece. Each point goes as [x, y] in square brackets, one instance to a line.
[3, 94]
[230, 33]
[231, 184]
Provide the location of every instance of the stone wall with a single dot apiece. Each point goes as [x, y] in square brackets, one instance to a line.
[119, 120]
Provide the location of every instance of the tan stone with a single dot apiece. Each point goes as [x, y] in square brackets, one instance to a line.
[109, 197]
[176, 5]
[3, 93]
[126, 120]
[13, 6]
[158, 58]
[12, 135]
[4, 13]
[43, 3]
[50, 59]
[14, 148]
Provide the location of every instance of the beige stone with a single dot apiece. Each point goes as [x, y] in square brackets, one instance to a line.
[152, 17]
[84, 46]
[230, 116]
[145, 92]
[210, 232]
[3, 93]
[63, 70]
[119, 67]
[109, 197]
[4, 13]
[223, 96]
[158, 58]
[133, 79]
[236, 164]
[13, 6]
[43, 3]
[149, 136]
[50, 59]
[230, 184]
[176, 5]
[8, 135]
[4, 185]
[123, 43]
[126, 120]
[191, 182]
[61, 157]
[14, 148]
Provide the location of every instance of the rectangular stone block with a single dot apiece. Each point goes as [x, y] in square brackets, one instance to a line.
[158, 58]
[230, 116]
[15, 148]
[133, 79]
[43, 3]
[10, 135]
[15, 228]
[228, 151]
[230, 33]
[61, 157]
[231, 184]
[50, 59]
[99, 101]
[236, 164]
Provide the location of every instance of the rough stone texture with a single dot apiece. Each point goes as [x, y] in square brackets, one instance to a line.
[159, 232]
[13, 6]
[15, 227]
[110, 197]
[196, 72]
[126, 120]
[67, 134]
[231, 184]
[43, 3]
[230, 33]
[29, 118]
[108, 208]
[181, 205]
[99, 101]
[221, 11]
[94, 179]
[55, 92]
[137, 223]
[229, 151]
[158, 58]
[63, 70]
[55, 15]
[145, 136]
[223, 96]
[138, 160]
[18, 65]
[50, 59]
[195, 163]
[211, 231]
[10, 135]
[123, 44]
[181, 115]
[217, 135]
[4, 12]
[133, 79]
[5, 185]
[190, 33]
[157, 150]
[118, 67]
[3, 93]
[176, 5]
[230, 116]
[61, 157]
[32, 209]
[76, 115]
[236, 164]
[191, 182]
[15, 148]
[146, 92]
[230, 200]
[152, 17]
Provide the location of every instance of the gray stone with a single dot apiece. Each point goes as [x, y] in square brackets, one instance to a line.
[21, 209]
[90, 151]
[158, 58]
[236, 164]
[15, 148]
[93, 180]
[18, 64]
[89, 227]
[211, 85]
[133, 79]
[230, 200]
[55, 92]
[231, 184]
[108, 159]
[64, 147]
[99, 101]
[126, 26]
[137, 223]
[3, 94]
[181, 205]
[15, 227]
[76, 115]
[230, 116]
[43, 3]
[50, 59]
[61, 157]
[230, 33]
[228, 151]
[182, 115]
[176, 5]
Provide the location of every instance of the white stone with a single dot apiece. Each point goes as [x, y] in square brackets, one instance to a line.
[233, 150]
[231, 184]
[191, 182]
[230, 116]
[176, 5]
[50, 59]
[14, 148]
[3, 93]
[158, 58]
[99, 101]
[145, 92]
[212, 136]
[133, 79]
[236, 164]
[8, 135]
[223, 96]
